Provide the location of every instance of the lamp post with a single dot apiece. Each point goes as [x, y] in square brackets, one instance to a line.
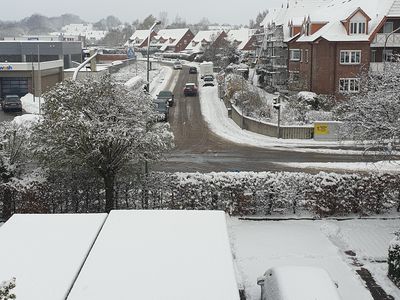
[384, 47]
[148, 53]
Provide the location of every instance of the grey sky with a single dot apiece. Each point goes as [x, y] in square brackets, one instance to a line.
[220, 11]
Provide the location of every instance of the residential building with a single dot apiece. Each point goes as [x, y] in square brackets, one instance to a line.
[244, 38]
[272, 52]
[139, 38]
[35, 66]
[204, 39]
[172, 40]
[337, 43]
[86, 30]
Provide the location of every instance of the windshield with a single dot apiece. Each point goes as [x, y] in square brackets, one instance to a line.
[12, 99]
[165, 94]
[208, 79]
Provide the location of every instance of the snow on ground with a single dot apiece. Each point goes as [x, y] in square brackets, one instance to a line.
[380, 166]
[168, 255]
[31, 104]
[216, 115]
[260, 245]
[45, 252]
[369, 239]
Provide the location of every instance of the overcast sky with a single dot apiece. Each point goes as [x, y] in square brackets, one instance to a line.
[220, 11]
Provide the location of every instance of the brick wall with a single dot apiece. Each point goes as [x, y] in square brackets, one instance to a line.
[320, 73]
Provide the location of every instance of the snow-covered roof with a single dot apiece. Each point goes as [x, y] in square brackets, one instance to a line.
[242, 35]
[168, 255]
[202, 36]
[337, 11]
[173, 36]
[45, 252]
[331, 13]
[140, 35]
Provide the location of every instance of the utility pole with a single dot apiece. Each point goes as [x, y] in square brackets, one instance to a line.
[33, 78]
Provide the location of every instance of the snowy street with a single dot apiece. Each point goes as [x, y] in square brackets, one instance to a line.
[260, 245]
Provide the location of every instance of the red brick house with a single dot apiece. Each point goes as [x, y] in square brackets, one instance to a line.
[336, 44]
[172, 40]
[244, 38]
[204, 39]
[139, 39]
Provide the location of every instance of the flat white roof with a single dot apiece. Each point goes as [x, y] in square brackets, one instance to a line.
[45, 252]
[168, 255]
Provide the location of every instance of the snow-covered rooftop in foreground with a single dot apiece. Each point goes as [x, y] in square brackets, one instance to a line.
[45, 252]
[168, 255]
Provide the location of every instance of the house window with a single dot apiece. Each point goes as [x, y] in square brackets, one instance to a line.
[306, 54]
[350, 57]
[349, 85]
[388, 27]
[295, 54]
[358, 28]
[373, 56]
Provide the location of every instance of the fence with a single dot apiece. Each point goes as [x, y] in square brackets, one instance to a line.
[286, 132]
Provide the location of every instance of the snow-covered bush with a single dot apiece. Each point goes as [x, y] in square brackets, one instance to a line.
[394, 260]
[244, 193]
[372, 115]
[6, 290]
[307, 107]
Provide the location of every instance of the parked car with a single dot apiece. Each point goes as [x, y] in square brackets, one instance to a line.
[190, 89]
[166, 95]
[296, 282]
[162, 108]
[208, 80]
[11, 102]
[192, 70]
[177, 65]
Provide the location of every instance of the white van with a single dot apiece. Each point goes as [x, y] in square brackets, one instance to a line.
[299, 283]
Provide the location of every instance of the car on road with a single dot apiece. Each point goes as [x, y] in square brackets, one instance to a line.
[297, 282]
[190, 89]
[177, 65]
[167, 95]
[208, 80]
[11, 103]
[192, 70]
[162, 108]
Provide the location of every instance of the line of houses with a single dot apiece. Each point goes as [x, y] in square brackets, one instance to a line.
[325, 46]
[185, 42]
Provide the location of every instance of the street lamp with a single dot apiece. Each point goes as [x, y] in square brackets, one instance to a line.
[384, 47]
[148, 54]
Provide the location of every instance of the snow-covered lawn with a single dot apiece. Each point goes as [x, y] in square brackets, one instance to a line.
[216, 115]
[260, 245]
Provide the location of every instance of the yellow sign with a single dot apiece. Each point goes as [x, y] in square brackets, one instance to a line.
[321, 129]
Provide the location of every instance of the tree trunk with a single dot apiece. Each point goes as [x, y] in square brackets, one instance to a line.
[109, 182]
[7, 204]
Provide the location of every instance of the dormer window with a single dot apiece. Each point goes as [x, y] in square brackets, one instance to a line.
[358, 28]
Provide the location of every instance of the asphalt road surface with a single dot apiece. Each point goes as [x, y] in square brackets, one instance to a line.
[8, 116]
[198, 149]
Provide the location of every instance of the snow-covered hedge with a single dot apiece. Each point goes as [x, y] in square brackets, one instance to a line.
[394, 260]
[245, 193]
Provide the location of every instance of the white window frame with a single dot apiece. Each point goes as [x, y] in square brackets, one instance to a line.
[349, 85]
[307, 56]
[358, 28]
[350, 57]
[293, 57]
